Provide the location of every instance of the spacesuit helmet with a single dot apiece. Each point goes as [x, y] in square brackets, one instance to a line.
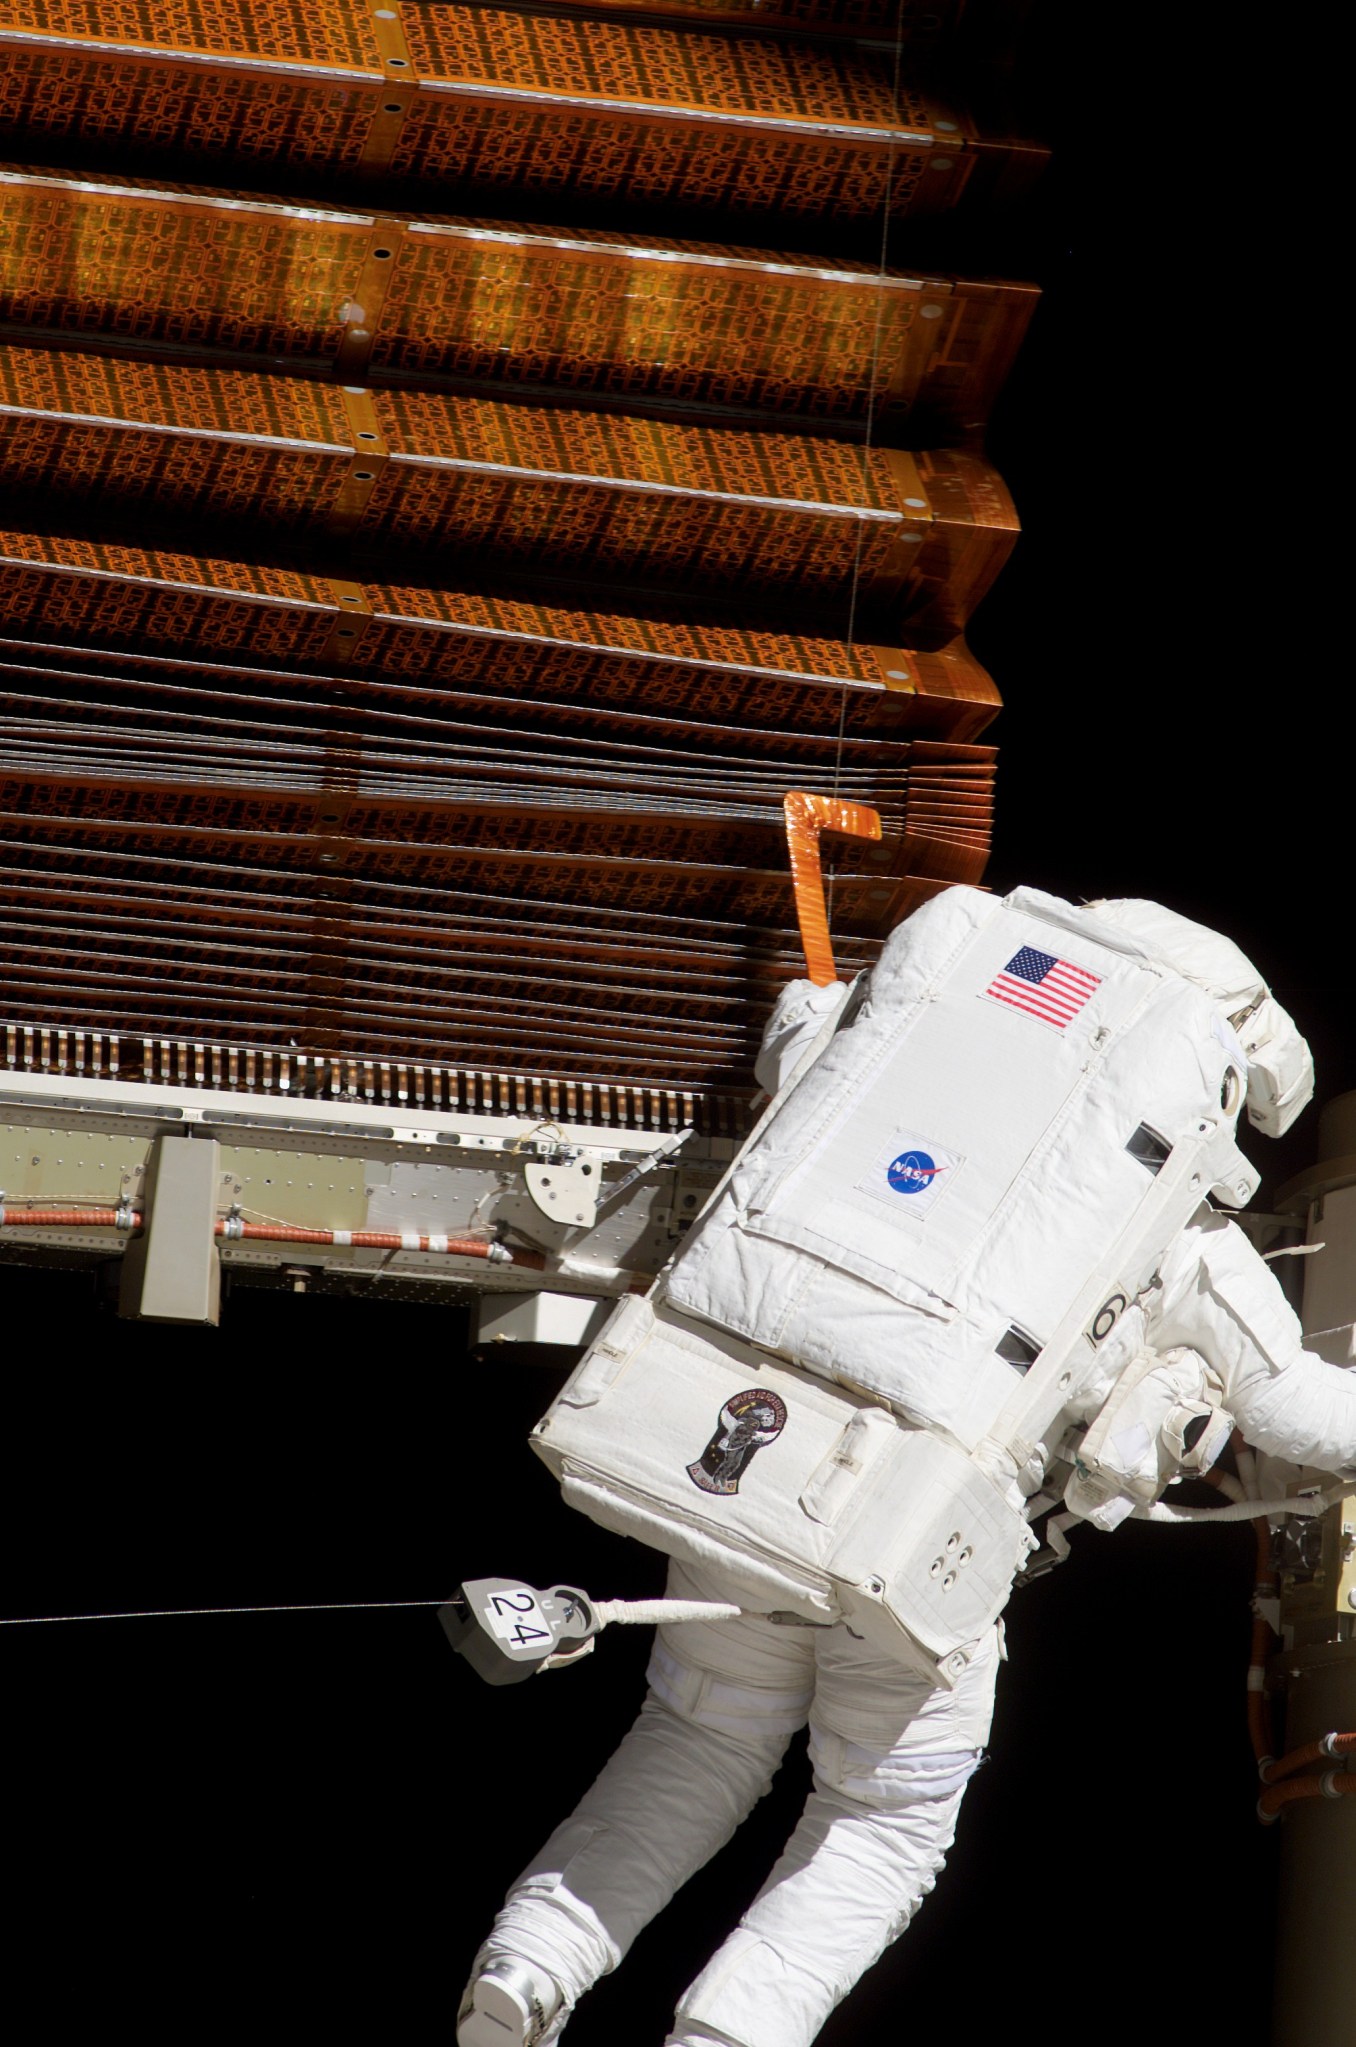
[1280, 1066]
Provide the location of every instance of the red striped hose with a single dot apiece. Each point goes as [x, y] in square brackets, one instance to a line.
[1335, 1784]
[233, 1227]
[72, 1218]
[1321, 1751]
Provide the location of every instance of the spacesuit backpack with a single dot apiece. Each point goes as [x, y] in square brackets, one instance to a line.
[854, 1375]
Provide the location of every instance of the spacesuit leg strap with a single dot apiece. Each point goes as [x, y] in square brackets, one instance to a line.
[724, 1702]
[892, 1761]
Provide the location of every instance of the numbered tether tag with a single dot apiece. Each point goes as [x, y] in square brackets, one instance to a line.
[507, 1630]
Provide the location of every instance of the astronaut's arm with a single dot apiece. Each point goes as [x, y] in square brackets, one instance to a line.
[798, 1016]
[1218, 1296]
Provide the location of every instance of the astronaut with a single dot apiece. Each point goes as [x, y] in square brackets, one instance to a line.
[987, 1200]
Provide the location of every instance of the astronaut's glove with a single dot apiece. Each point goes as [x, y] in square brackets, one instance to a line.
[798, 1016]
[1162, 1420]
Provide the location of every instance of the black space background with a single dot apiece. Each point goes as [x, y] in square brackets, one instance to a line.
[306, 1821]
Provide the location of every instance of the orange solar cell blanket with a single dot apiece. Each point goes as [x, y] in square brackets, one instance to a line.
[468, 462]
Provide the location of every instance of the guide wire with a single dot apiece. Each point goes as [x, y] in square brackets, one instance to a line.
[178, 1613]
[868, 441]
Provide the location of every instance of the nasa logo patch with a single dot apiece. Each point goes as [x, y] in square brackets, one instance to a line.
[913, 1172]
[910, 1174]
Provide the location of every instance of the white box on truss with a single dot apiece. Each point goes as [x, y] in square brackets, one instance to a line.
[539, 1318]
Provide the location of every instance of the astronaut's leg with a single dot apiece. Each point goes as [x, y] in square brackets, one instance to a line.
[892, 1758]
[723, 1703]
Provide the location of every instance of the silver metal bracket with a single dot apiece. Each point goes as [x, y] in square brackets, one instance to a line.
[565, 1191]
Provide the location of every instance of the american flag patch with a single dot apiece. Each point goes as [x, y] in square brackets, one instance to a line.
[1053, 990]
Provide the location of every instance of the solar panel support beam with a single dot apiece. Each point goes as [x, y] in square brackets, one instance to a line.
[172, 1271]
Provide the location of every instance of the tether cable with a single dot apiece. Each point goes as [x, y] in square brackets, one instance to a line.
[179, 1613]
[868, 441]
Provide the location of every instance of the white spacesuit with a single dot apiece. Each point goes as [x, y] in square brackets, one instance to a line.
[976, 1217]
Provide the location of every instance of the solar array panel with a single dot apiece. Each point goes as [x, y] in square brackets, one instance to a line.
[413, 619]
[641, 322]
[498, 103]
[556, 496]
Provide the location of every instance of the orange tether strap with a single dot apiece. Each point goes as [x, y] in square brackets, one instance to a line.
[806, 817]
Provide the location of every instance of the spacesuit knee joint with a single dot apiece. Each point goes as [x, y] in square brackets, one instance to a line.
[888, 1783]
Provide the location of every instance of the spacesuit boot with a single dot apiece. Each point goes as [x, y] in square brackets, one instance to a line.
[507, 2004]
